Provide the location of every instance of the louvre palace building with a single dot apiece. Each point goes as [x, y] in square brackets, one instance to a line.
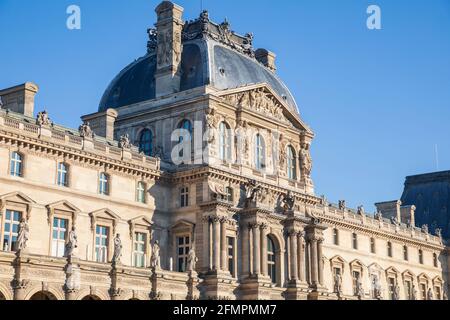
[192, 181]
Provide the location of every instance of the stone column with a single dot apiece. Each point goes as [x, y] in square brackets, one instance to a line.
[245, 245]
[314, 262]
[216, 243]
[320, 262]
[264, 269]
[256, 250]
[300, 257]
[206, 244]
[223, 244]
[293, 255]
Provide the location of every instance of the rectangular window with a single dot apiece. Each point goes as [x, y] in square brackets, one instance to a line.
[435, 260]
[183, 246]
[62, 175]
[140, 192]
[12, 221]
[184, 197]
[423, 291]
[229, 195]
[140, 248]
[420, 256]
[59, 233]
[408, 289]
[336, 237]
[389, 249]
[355, 241]
[103, 184]
[101, 244]
[356, 276]
[437, 293]
[16, 164]
[405, 253]
[230, 242]
[373, 248]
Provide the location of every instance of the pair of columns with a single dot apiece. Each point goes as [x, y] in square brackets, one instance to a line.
[254, 249]
[305, 257]
[215, 232]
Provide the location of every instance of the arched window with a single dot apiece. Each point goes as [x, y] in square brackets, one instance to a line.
[271, 260]
[260, 153]
[16, 164]
[62, 180]
[291, 164]
[186, 125]
[225, 142]
[146, 142]
[103, 187]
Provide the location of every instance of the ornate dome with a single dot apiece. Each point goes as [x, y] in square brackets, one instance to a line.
[212, 55]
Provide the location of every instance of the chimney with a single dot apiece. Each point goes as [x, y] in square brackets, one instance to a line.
[169, 48]
[390, 209]
[267, 58]
[102, 123]
[20, 98]
[408, 214]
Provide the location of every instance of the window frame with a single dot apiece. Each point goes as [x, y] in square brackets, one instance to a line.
[64, 172]
[184, 197]
[141, 187]
[11, 234]
[260, 152]
[148, 143]
[107, 246]
[225, 142]
[55, 250]
[144, 253]
[104, 184]
[14, 162]
[291, 163]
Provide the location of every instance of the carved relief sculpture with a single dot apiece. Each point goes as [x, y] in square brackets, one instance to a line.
[72, 243]
[117, 255]
[155, 262]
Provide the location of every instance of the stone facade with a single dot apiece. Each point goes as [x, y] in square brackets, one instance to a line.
[84, 216]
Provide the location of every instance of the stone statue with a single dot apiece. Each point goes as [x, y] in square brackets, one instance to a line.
[306, 160]
[394, 221]
[288, 201]
[430, 295]
[253, 189]
[152, 43]
[43, 119]
[211, 125]
[156, 259]
[414, 292]
[378, 216]
[191, 260]
[342, 205]
[338, 284]
[396, 293]
[86, 131]
[117, 250]
[72, 243]
[159, 153]
[361, 211]
[359, 288]
[438, 232]
[376, 287]
[23, 236]
[425, 228]
[124, 141]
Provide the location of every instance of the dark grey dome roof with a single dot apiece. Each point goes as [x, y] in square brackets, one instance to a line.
[203, 62]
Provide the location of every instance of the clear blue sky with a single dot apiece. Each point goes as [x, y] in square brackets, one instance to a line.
[378, 101]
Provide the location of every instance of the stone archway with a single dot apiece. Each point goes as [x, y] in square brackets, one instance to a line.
[43, 295]
[91, 298]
